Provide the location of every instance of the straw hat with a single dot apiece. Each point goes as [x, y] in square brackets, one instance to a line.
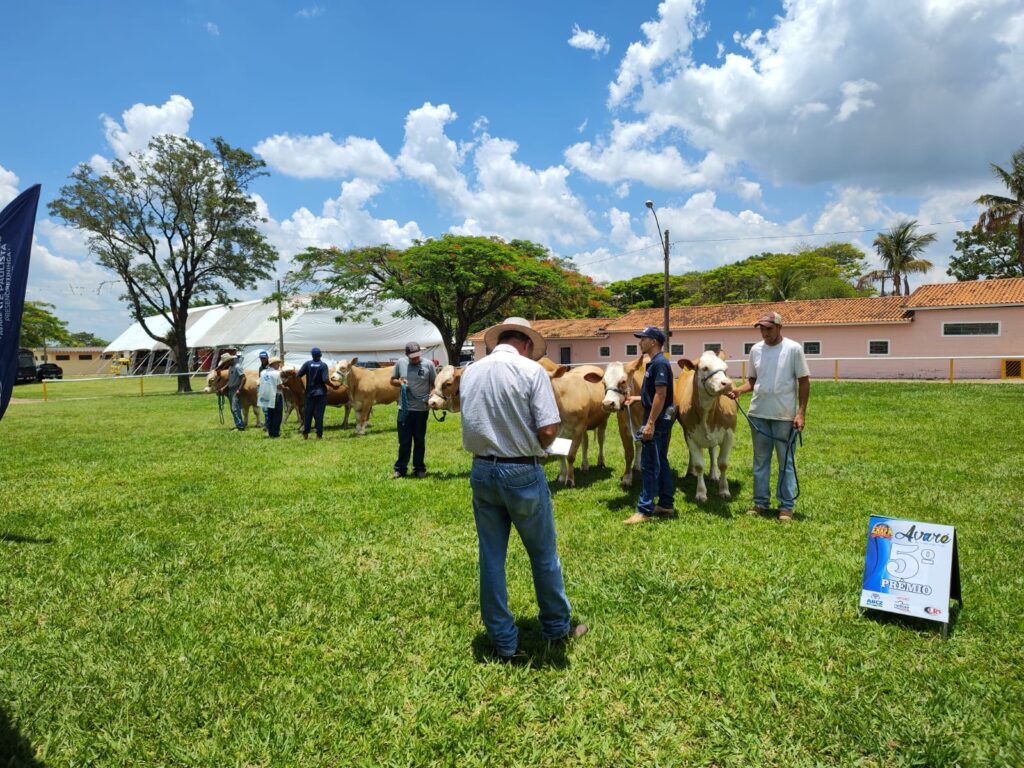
[522, 325]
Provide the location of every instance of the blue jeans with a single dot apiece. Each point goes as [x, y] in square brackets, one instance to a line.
[314, 411]
[516, 494]
[236, 408]
[779, 432]
[412, 435]
[273, 422]
[656, 473]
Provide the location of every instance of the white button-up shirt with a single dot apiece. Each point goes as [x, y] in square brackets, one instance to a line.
[506, 399]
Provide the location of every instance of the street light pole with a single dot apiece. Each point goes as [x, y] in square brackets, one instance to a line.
[664, 244]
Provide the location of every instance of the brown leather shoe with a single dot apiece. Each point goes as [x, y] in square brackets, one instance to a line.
[664, 511]
[785, 515]
[574, 633]
[757, 511]
[637, 517]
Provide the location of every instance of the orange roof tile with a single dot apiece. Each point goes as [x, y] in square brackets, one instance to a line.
[572, 328]
[888, 309]
[1008, 290]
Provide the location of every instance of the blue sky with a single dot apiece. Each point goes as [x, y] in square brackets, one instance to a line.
[753, 126]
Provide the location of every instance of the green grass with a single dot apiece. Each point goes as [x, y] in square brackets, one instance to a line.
[172, 593]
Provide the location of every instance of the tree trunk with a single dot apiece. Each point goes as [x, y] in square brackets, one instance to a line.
[453, 354]
[181, 363]
[1020, 241]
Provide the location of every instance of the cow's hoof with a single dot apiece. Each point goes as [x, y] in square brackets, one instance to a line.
[701, 498]
[725, 494]
[626, 482]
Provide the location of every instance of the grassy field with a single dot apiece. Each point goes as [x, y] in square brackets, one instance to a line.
[173, 593]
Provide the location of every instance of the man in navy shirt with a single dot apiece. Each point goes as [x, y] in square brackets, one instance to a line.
[316, 374]
[656, 395]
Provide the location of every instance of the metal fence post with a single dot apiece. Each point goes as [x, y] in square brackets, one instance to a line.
[836, 374]
[44, 391]
[951, 370]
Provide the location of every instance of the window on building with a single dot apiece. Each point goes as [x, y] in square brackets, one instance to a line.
[970, 329]
[604, 352]
[85, 357]
[565, 355]
[63, 357]
[747, 346]
[712, 346]
[812, 347]
[676, 350]
[878, 347]
[631, 350]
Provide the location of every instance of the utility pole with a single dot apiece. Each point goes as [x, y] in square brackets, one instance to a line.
[280, 324]
[664, 245]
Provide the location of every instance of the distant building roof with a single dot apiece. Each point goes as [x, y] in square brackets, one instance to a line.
[856, 311]
[973, 293]
[572, 328]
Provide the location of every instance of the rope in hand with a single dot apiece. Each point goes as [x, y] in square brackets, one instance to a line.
[220, 405]
[788, 455]
[403, 403]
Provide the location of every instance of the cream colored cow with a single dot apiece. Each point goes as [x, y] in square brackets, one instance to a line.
[367, 387]
[622, 380]
[217, 382]
[708, 418]
[579, 406]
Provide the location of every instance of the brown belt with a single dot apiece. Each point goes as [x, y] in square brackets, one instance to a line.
[509, 459]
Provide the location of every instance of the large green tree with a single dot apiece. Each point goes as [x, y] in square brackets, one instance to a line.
[900, 250]
[40, 327]
[982, 254]
[85, 339]
[459, 284]
[1002, 211]
[176, 224]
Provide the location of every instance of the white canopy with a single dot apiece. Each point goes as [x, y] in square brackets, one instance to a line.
[247, 326]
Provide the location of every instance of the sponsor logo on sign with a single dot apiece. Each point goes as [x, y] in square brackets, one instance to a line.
[874, 602]
[925, 537]
[899, 605]
[881, 531]
[932, 610]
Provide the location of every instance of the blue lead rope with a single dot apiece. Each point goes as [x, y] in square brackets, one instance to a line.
[403, 404]
[787, 456]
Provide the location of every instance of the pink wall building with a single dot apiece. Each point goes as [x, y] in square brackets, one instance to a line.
[977, 324]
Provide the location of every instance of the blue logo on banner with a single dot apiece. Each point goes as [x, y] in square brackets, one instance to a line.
[17, 222]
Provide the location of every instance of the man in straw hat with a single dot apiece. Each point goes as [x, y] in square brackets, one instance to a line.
[268, 396]
[509, 416]
[781, 382]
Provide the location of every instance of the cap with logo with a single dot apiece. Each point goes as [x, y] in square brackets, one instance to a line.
[412, 349]
[651, 332]
[772, 318]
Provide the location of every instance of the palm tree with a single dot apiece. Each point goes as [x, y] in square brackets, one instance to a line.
[874, 276]
[899, 249]
[1005, 211]
[786, 282]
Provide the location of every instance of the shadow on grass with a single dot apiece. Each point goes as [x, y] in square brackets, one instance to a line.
[17, 538]
[594, 474]
[534, 651]
[915, 623]
[15, 749]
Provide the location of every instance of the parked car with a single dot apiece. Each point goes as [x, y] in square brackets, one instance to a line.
[49, 371]
[26, 366]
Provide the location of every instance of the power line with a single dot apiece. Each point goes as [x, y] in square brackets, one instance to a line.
[763, 237]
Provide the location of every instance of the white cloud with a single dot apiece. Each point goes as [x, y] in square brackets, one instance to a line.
[507, 198]
[895, 96]
[8, 186]
[141, 122]
[213, 29]
[310, 13]
[589, 40]
[308, 157]
[637, 151]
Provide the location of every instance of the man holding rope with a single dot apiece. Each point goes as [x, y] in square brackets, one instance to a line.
[416, 378]
[781, 382]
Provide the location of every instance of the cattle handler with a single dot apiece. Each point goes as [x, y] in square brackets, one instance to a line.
[416, 378]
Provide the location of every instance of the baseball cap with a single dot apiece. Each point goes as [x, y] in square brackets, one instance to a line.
[772, 318]
[651, 332]
[412, 348]
[263, 353]
[315, 351]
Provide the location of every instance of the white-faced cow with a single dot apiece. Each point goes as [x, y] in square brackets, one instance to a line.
[366, 387]
[293, 389]
[579, 406]
[217, 381]
[708, 418]
[445, 394]
[622, 380]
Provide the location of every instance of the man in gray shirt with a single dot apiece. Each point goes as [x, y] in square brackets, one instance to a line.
[236, 378]
[416, 378]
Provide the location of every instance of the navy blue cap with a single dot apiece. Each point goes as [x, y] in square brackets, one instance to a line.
[315, 352]
[263, 353]
[651, 332]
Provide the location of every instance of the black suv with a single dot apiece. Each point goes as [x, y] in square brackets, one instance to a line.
[49, 371]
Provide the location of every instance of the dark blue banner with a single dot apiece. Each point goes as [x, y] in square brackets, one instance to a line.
[17, 221]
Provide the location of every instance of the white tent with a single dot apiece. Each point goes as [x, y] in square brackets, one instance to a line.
[247, 326]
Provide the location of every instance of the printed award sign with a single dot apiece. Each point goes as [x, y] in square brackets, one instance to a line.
[911, 568]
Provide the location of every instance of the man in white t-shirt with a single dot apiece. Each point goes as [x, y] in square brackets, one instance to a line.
[781, 382]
